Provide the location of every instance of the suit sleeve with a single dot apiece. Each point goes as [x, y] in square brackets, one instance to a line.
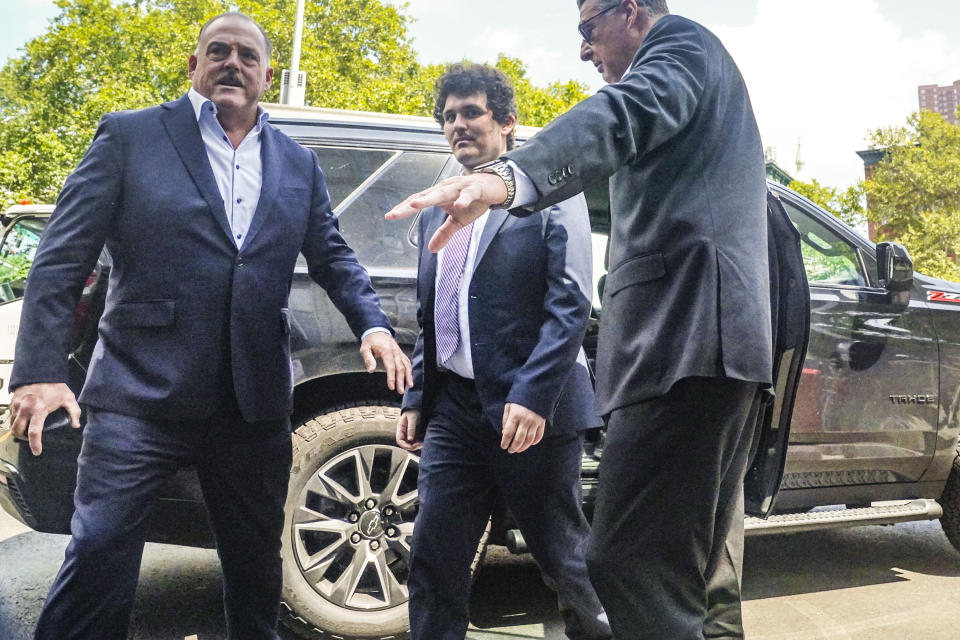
[68, 250]
[624, 121]
[334, 266]
[567, 303]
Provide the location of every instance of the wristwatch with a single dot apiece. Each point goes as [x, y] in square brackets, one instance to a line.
[505, 171]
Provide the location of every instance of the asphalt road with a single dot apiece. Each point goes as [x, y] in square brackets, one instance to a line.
[872, 583]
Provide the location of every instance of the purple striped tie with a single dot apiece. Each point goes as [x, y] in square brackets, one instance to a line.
[447, 306]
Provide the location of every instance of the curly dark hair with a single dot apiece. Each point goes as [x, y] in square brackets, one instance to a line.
[466, 79]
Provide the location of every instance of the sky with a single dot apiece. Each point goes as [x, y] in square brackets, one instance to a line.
[821, 73]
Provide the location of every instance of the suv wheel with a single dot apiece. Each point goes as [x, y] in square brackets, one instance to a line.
[950, 501]
[349, 517]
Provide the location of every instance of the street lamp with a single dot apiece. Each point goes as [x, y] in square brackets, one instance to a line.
[293, 82]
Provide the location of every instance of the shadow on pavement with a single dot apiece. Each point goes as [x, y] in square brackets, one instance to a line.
[817, 561]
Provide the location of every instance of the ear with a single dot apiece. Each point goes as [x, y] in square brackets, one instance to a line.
[269, 78]
[191, 65]
[637, 17]
[507, 127]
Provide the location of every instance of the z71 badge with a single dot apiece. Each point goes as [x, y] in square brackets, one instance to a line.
[943, 296]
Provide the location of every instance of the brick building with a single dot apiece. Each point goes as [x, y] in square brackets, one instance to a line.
[942, 100]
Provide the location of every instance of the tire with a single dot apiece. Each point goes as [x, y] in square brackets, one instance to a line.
[950, 501]
[345, 557]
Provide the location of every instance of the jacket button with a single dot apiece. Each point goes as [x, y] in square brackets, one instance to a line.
[570, 169]
[552, 179]
[241, 262]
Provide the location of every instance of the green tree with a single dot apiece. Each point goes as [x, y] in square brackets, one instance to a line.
[104, 55]
[846, 205]
[914, 193]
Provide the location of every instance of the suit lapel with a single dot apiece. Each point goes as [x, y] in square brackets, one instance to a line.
[495, 220]
[270, 161]
[430, 222]
[180, 121]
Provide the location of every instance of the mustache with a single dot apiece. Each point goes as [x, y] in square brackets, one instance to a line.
[230, 78]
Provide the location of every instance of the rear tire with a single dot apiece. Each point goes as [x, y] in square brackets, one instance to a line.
[950, 501]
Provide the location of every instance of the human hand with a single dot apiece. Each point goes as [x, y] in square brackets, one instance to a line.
[381, 345]
[32, 403]
[522, 428]
[407, 430]
[464, 198]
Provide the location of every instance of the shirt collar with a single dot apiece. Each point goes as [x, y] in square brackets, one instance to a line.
[199, 102]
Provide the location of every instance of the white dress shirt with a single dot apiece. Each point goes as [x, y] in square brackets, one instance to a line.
[239, 172]
[461, 361]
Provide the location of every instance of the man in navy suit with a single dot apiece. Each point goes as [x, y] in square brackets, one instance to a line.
[685, 339]
[501, 388]
[204, 208]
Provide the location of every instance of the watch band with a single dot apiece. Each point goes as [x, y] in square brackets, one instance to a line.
[505, 171]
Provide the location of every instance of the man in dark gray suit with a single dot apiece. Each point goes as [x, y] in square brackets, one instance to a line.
[685, 341]
[204, 208]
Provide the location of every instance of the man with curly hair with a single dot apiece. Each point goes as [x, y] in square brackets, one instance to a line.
[501, 390]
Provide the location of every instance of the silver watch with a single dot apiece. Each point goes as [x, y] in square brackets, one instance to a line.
[505, 171]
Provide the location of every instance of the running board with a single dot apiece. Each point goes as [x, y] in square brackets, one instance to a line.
[923, 509]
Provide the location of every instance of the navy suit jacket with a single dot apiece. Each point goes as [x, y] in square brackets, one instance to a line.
[529, 302]
[687, 293]
[189, 317]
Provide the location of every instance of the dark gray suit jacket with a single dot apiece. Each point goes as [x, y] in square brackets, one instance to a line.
[687, 293]
[189, 317]
[529, 304]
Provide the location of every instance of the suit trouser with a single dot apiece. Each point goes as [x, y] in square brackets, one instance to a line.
[243, 468]
[461, 470]
[671, 482]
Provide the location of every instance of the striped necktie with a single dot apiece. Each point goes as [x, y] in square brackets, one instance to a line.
[447, 305]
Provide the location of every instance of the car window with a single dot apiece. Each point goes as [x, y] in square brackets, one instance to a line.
[827, 257]
[378, 242]
[345, 169]
[16, 256]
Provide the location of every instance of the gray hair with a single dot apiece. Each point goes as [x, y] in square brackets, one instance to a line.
[242, 16]
[653, 7]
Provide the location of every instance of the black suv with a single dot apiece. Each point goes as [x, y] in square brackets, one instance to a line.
[874, 417]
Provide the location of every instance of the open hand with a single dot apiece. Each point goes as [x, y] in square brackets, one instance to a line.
[464, 198]
[380, 345]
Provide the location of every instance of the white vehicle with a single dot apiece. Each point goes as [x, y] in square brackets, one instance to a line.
[16, 254]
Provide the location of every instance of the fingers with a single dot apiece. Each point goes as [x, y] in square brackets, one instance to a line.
[510, 424]
[74, 410]
[407, 431]
[404, 372]
[390, 366]
[443, 235]
[522, 429]
[35, 432]
[369, 360]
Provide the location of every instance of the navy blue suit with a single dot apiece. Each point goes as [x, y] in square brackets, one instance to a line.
[192, 364]
[529, 302]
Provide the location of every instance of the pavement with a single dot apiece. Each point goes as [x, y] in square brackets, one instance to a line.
[868, 583]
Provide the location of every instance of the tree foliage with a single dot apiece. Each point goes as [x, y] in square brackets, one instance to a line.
[914, 192]
[845, 205]
[105, 55]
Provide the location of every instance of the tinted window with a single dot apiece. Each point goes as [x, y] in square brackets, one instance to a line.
[16, 256]
[827, 257]
[345, 169]
[380, 243]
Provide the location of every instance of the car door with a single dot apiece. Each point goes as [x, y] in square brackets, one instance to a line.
[864, 350]
[790, 318]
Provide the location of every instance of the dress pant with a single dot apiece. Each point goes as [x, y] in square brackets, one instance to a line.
[243, 468]
[462, 468]
[664, 544]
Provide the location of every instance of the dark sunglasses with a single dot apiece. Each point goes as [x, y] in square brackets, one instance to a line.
[586, 29]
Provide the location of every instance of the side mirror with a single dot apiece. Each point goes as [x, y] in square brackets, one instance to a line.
[895, 269]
